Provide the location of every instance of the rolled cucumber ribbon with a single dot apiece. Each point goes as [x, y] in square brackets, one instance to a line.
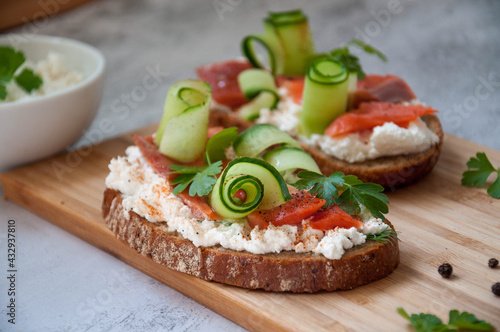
[262, 184]
[325, 96]
[258, 86]
[182, 131]
[287, 40]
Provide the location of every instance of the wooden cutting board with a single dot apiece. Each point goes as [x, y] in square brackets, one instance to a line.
[440, 221]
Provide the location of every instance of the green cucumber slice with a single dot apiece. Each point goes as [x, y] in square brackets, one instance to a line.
[180, 96]
[182, 131]
[254, 81]
[262, 183]
[287, 40]
[288, 160]
[256, 139]
[218, 143]
[251, 111]
[185, 135]
[325, 96]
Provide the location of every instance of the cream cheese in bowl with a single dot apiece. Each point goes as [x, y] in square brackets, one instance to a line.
[44, 122]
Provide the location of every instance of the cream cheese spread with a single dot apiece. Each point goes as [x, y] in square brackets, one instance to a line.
[54, 74]
[386, 140]
[149, 195]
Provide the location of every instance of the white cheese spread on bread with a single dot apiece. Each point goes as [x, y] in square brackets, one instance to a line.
[383, 141]
[149, 195]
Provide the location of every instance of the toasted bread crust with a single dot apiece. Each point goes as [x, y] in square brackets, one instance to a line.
[389, 172]
[284, 272]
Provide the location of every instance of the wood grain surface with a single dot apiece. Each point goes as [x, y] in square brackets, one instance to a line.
[439, 220]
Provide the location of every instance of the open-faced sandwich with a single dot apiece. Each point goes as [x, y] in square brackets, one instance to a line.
[250, 210]
[371, 126]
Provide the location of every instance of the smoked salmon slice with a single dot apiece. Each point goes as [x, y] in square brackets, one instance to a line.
[333, 217]
[370, 115]
[388, 88]
[223, 78]
[160, 163]
[302, 206]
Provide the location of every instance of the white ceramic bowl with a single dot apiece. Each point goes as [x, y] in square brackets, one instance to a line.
[41, 126]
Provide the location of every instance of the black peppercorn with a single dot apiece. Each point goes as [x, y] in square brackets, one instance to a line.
[493, 263]
[445, 270]
[496, 289]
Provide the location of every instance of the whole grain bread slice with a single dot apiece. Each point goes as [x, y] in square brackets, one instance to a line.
[281, 272]
[389, 172]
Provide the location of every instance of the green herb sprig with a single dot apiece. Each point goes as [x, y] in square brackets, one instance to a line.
[384, 236]
[200, 179]
[10, 61]
[458, 321]
[351, 61]
[479, 169]
[354, 192]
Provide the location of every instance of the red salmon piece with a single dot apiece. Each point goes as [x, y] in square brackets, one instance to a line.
[388, 88]
[333, 217]
[214, 130]
[373, 114]
[295, 88]
[302, 206]
[160, 164]
[223, 78]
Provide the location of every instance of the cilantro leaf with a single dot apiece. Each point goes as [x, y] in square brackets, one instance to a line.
[10, 60]
[218, 143]
[199, 179]
[3, 92]
[354, 192]
[479, 169]
[28, 80]
[465, 320]
[457, 321]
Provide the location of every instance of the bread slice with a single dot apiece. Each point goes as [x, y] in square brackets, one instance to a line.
[287, 271]
[389, 172]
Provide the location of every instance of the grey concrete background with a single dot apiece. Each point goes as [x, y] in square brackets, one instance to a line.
[448, 51]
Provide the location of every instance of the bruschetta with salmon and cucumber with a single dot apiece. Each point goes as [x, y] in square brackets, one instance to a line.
[248, 209]
[371, 126]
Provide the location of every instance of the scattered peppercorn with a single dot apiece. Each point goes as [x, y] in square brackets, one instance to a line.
[496, 289]
[493, 263]
[445, 270]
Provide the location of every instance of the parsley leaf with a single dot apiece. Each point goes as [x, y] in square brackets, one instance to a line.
[368, 49]
[201, 179]
[354, 192]
[479, 169]
[10, 61]
[384, 236]
[430, 323]
[3, 91]
[28, 80]
[351, 61]
[465, 320]
[218, 143]
[321, 186]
